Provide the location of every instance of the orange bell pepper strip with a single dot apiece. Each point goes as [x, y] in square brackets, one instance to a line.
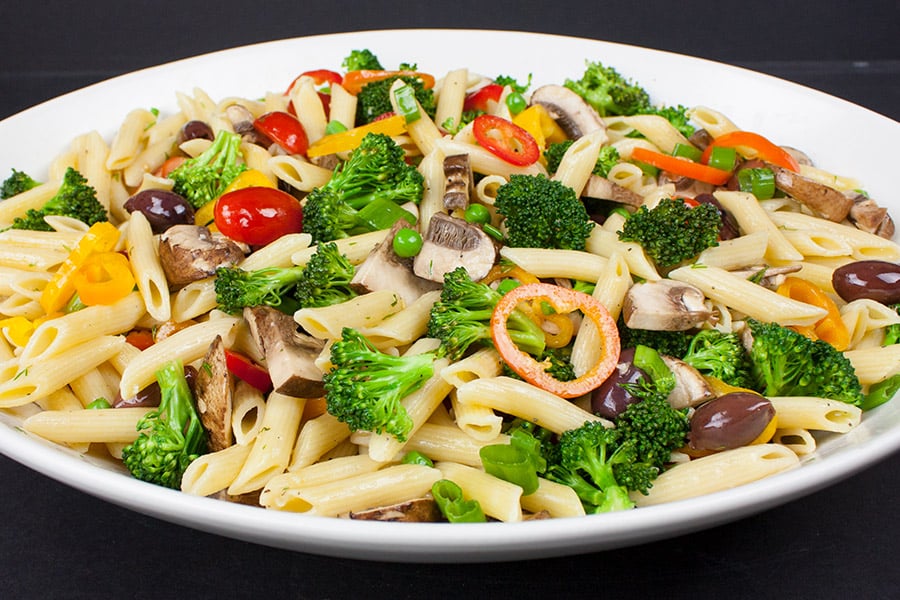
[563, 301]
[354, 81]
[101, 237]
[764, 149]
[104, 278]
[344, 141]
[681, 166]
[831, 327]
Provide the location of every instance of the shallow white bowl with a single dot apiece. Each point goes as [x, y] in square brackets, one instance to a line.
[838, 136]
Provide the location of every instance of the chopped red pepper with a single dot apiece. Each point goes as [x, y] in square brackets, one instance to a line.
[562, 300]
[765, 149]
[506, 140]
[478, 100]
[681, 166]
[246, 370]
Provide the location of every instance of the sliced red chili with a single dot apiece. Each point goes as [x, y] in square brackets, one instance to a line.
[506, 140]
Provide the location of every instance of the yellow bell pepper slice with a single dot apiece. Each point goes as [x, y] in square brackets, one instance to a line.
[104, 278]
[530, 120]
[829, 328]
[205, 215]
[101, 237]
[344, 141]
[18, 330]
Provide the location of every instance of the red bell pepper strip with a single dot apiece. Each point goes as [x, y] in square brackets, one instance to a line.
[506, 140]
[478, 100]
[681, 166]
[246, 370]
[765, 149]
[355, 80]
[562, 300]
[284, 129]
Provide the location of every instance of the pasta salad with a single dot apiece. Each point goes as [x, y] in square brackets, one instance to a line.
[399, 295]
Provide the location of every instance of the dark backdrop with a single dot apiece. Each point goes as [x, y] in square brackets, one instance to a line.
[838, 542]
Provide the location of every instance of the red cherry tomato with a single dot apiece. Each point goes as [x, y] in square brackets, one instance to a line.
[284, 129]
[319, 77]
[258, 215]
[506, 140]
[245, 369]
[478, 100]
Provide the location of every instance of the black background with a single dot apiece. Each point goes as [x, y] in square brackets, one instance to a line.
[835, 543]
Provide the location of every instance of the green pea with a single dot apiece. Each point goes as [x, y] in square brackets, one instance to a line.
[516, 103]
[407, 243]
[477, 213]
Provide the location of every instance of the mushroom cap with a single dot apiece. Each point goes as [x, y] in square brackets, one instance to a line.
[574, 116]
[664, 305]
[451, 243]
[214, 389]
[191, 252]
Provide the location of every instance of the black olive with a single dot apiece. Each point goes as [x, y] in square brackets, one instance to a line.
[877, 280]
[162, 209]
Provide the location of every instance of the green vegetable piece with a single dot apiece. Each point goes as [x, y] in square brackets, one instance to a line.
[687, 151]
[407, 243]
[722, 157]
[18, 182]
[407, 107]
[98, 404]
[518, 462]
[477, 213]
[75, 198]
[760, 182]
[382, 213]
[516, 102]
[881, 392]
[449, 498]
[416, 458]
[672, 231]
[334, 127]
[359, 60]
[650, 362]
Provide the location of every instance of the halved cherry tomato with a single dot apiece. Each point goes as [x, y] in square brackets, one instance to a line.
[681, 166]
[258, 215]
[284, 129]
[355, 80]
[506, 140]
[246, 370]
[478, 100]
[765, 149]
[562, 300]
[319, 77]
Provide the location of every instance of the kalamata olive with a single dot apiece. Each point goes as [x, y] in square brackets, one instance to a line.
[611, 399]
[150, 395]
[877, 280]
[729, 229]
[162, 209]
[196, 129]
[730, 421]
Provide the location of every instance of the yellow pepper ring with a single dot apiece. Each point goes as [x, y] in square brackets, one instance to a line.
[104, 278]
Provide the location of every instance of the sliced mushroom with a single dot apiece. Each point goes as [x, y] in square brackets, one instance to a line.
[871, 218]
[575, 116]
[691, 388]
[249, 499]
[825, 201]
[420, 510]
[701, 138]
[458, 182]
[191, 252]
[451, 243]
[214, 391]
[242, 122]
[326, 161]
[384, 270]
[290, 354]
[800, 156]
[685, 186]
[664, 305]
[602, 188]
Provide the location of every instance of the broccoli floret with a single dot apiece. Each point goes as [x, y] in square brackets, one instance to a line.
[542, 213]
[269, 286]
[609, 92]
[671, 343]
[374, 99]
[653, 426]
[171, 437]
[359, 60]
[513, 83]
[462, 317]
[365, 387]
[672, 231]
[203, 178]
[326, 278]
[75, 198]
[892, 332]
[720, 355]
[787, 363]
[597, 462]
[16, 183]
[375, 170]
[606, 160]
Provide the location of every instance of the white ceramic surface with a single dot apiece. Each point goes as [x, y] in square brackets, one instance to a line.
[839, 136]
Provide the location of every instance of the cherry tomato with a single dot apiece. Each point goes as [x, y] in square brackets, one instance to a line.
[246, 370]
[506, 140]
[478, 100]
[319, 77]
[258, 215]
[284, 129]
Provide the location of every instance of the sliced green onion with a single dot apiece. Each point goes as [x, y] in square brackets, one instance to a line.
[507, 285]
[449, 498]
[723, 158]
[759, 182]
[334, 127]
[406, 103]
[414, 457]
[687, 151]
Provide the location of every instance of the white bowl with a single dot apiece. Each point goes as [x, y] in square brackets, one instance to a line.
[838, 135]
